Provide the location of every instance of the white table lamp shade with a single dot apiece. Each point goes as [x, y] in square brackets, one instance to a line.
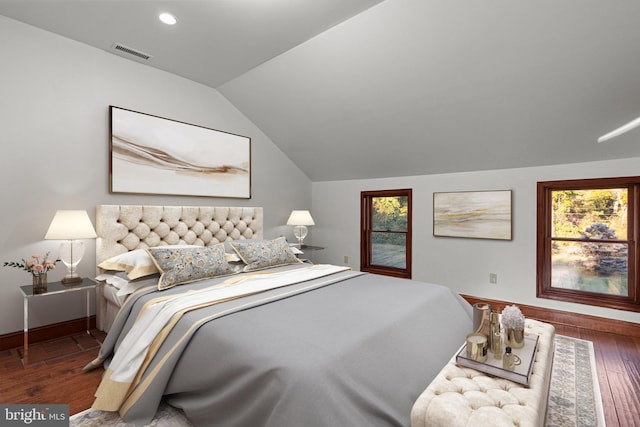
[300, 218]
[71, 226]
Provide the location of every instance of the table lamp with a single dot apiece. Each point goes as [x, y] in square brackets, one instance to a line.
[300, 220]
[71, 226]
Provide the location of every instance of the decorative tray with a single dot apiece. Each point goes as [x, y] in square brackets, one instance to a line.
[522, 372]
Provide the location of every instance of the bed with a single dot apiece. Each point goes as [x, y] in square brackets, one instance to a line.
[287, 344]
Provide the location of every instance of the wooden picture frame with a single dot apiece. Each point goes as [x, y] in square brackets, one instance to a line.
[155, 155]
[473, 214]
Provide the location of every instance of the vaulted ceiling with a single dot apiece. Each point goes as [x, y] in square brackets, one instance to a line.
[369, 88]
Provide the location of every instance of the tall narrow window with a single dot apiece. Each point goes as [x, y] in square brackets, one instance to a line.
[587, 241]
[385, 242]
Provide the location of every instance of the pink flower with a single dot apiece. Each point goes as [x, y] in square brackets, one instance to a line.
[34, 266]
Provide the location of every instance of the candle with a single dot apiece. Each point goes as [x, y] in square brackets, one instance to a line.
[476, 339]
[477, 347]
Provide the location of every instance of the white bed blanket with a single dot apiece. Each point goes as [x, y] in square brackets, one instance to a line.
[160, 312]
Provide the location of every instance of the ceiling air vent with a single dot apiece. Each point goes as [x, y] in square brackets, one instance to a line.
[129, 51]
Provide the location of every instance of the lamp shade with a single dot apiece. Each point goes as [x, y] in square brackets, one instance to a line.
[70, 225]
[300, 218]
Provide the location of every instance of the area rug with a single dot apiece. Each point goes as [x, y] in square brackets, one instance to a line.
[167, 416]
[574, 396]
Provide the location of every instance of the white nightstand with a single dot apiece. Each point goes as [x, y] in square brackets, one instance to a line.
[52, 289]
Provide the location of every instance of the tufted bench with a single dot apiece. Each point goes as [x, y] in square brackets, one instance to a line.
[461, 396]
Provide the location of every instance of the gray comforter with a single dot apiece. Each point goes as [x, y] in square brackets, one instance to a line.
[356, 352]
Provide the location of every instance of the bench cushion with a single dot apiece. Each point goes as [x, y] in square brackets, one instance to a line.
[460, 396]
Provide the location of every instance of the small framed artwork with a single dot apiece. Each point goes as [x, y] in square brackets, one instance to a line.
[473, 214]
[154, 155]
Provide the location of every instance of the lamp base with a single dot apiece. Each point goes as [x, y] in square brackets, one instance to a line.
[300, 231]
[71, 252]
[72, 280]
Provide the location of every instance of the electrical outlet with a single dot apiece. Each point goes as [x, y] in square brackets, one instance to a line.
[493, 278]
[346, 259]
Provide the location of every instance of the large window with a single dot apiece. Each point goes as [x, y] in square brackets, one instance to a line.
[587, 242]
[385, 242]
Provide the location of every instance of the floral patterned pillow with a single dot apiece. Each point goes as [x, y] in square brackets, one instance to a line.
[185, 265]
[262, 254]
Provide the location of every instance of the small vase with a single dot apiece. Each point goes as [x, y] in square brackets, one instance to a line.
[39, 283]
[514, 338]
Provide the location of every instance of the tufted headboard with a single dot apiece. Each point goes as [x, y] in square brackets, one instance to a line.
[123, 228]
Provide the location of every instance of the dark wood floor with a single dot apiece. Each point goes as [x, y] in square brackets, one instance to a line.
[55, 373]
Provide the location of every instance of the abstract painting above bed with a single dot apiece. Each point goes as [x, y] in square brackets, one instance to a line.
[154, 155]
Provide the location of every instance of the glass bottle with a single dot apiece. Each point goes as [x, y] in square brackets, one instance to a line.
[496, 336]
[508, 360]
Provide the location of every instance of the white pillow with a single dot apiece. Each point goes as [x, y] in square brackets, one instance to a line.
[114, 280]
[136, 264]
[125, 286]
[133, 286]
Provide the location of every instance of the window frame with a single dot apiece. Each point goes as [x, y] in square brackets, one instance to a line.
[631, 302]
[366, 212]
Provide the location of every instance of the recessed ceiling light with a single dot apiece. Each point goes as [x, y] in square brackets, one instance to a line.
[168, 18]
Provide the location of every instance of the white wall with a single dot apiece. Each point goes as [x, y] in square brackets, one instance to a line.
[54, 127]
[462, 264]
[54, 98]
